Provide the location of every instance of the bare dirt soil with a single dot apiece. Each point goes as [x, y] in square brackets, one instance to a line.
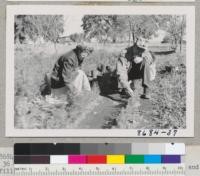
[166, 108]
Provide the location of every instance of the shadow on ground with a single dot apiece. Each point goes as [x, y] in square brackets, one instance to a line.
[106, 114]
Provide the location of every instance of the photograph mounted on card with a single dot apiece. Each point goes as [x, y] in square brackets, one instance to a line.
[133, 1]
[82, 71]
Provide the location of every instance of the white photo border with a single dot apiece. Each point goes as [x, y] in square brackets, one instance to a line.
[13, 10]
[133, 1]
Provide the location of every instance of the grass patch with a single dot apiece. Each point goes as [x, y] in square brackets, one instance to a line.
[166, 109]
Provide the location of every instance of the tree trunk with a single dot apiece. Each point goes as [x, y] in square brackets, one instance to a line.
[56, 50]
[129, 38]
[181, 45]
[175, 41]
[182, 33]
[133, 37]
[132, 31]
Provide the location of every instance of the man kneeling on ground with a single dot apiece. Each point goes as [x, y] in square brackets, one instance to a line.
[142, 65]
[67, 79]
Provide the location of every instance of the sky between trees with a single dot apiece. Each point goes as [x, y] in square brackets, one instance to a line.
[105, 28]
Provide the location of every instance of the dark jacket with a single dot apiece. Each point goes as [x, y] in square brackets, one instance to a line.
[137, 70]
[65, 70]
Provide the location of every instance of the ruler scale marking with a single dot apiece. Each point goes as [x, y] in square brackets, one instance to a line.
[108, 170]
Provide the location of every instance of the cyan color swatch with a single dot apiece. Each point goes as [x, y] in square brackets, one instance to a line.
[152, 159]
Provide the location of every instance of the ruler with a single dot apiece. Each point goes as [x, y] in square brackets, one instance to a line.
[100, 170]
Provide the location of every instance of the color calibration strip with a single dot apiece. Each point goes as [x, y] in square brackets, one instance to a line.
[99, 159]
[137, 153]
[100, 149]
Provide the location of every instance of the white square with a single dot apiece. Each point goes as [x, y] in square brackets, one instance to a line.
[175, 149]
[58, 159]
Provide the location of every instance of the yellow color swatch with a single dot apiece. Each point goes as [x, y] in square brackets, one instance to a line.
[115, 159]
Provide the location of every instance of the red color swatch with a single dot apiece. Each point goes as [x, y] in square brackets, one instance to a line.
[96, 159]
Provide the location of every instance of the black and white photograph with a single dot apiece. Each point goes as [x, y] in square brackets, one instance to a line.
[99, 71]
[133, 1]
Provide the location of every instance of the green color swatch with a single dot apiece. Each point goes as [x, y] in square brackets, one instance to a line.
[134, 159]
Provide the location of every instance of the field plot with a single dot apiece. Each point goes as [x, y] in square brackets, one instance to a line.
[166, 108]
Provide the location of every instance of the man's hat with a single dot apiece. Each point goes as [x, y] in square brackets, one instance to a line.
[141, 42]
[84, 48]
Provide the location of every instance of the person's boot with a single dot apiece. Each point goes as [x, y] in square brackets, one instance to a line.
[132, 85]
[146, 93]
[125, 94]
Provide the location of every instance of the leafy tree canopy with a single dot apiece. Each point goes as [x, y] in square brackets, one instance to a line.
[104, 27]
[49, 27]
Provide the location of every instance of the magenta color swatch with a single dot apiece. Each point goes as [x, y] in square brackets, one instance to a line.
[77, 159]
